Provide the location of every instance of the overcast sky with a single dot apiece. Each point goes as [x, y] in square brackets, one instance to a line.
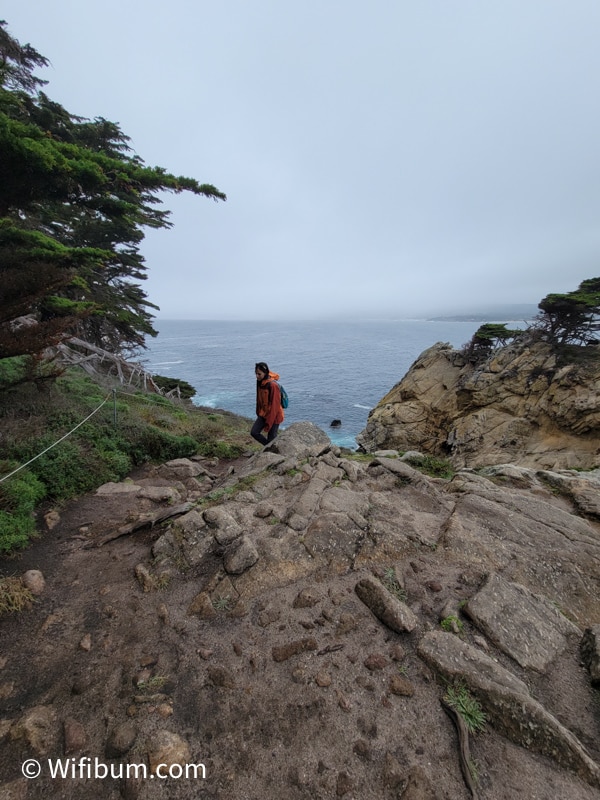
[393, 158]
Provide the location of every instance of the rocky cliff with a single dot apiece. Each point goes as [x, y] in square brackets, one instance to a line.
[518, 407]
[302, 627]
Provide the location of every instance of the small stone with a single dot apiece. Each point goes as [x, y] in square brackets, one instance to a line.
[33, 580]
[397, 653]
[263, 510]
[394, 776]
[400, 685]
[268, 616]
[323, 679]
[205, 653]
[376, 661]
[365, 683]
[307, 598]
[52, 518]
[221, 676]
[142, 677]
[146, 580]
[346, 624]
[285, 651]
[6, 689]
[300, 675]
[39, 728]
[121, 740]
[86, 643]
[343, 784]
[434, 586]
[75, 736]
[201, 606]
[167, 749]
[362, 749]
[343, 702]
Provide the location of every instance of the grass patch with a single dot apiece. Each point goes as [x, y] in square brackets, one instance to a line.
[452, 624]
[14, 595]
[222, 604]
[362, 458]
[393, 586]
[433, 466]
[153, 684]
[461, 700]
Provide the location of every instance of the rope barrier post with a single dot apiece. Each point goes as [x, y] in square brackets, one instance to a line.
[114, 391]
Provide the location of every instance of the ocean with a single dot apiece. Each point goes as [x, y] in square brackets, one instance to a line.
[330, 370]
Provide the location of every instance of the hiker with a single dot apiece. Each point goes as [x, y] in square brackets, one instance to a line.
[269, 413]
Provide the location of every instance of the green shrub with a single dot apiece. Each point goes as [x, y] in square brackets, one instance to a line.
[434, 466]
[15, 531]
[19, 496]
[452, 624]
[131, 429]
[13, 370]
[220, 449]
[152, 444]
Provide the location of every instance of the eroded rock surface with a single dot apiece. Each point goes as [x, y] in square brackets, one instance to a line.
[290, 632]
[519, 407]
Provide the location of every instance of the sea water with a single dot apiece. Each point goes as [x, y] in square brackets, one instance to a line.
[330, 370]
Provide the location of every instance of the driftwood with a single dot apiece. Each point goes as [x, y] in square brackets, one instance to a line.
[94, 360]
[147, 520]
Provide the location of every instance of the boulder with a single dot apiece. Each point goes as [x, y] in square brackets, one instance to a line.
[299, 439]
[387, 608]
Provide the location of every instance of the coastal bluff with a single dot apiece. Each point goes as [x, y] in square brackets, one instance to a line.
[521, 406]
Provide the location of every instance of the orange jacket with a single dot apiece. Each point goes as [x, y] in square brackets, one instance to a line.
[268, 401]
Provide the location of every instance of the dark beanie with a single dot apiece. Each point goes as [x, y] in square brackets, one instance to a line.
[262, 367]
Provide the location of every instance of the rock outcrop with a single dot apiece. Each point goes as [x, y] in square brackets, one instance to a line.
[294, 633]
[519, 407]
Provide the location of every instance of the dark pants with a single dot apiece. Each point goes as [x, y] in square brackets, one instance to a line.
[257, 434]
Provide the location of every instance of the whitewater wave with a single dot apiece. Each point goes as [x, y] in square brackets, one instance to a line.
[358, 405]
[166, 363]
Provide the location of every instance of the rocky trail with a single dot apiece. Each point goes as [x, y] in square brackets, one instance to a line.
[294, 627]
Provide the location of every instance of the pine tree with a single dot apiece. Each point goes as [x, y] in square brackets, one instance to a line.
[74, 203]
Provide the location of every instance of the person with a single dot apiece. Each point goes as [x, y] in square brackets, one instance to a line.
[269, 413]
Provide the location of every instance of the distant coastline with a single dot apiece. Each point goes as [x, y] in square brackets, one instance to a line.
[514, 313]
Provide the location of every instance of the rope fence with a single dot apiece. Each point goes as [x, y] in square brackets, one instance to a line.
[62, 438]
[130, 396]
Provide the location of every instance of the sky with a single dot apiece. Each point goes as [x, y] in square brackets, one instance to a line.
[392, 159]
